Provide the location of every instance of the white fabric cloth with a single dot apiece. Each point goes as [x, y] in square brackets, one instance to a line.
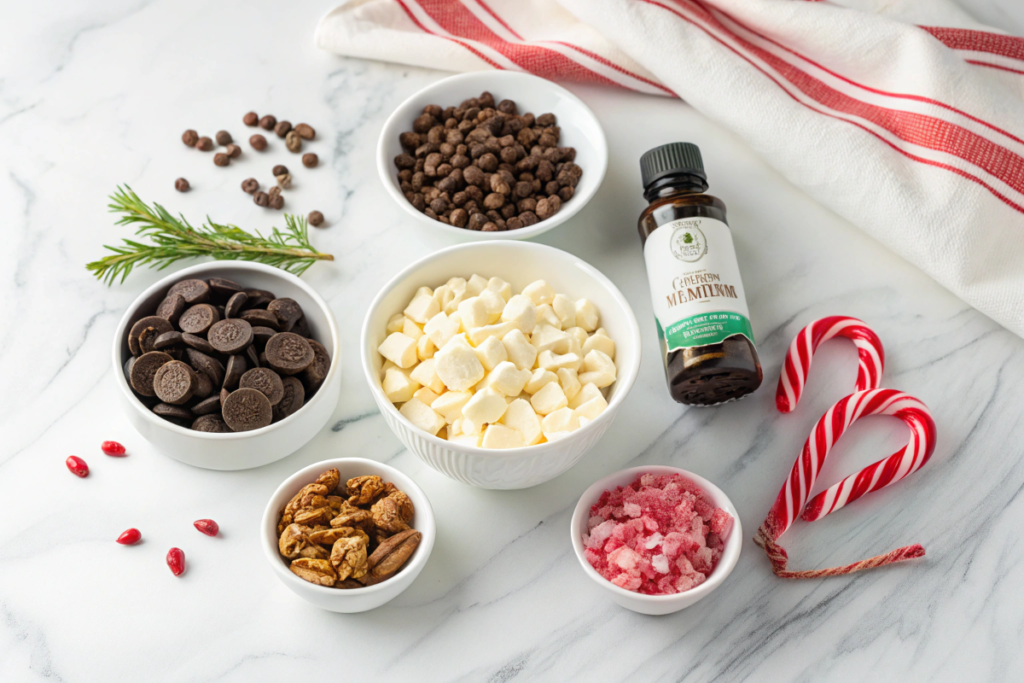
[914, 133]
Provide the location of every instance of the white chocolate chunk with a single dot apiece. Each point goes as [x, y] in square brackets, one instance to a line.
[477, 335]
[539, 292]
[584, 421]
[486, 406]
[538, 379]
[491, 352]
[600, 341]
[587, 392]
[519, 349]
[578, 334]
[503, 289]
[395, 323]
[560, 423]
[522, 312]
[398, 386]
[592, 408]
[552, 361]
[449, 405]
[384, 368]
[549, 399]
[411, 329]
[440, 329]
[456, 284]
[457, 365]
[494, 303]
[453, 305]
[425, 348]
[425, 373]
[399, 349]
[500, 436]
[565, 309]
[506, 379]
[548, 338]
[422, 308]
[521, 416]
[586, 315]
[425, 395]
[546, 315]
[598, 369]
[569, 382]
[473, 312]
[466, 439]
[423, 291]
[443, 294]
[475, 285]
[422, 416]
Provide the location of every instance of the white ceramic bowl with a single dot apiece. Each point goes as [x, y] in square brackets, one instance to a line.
[242, 450]
[519, 263]
[656, 604]
[350, 599]
[579, 129]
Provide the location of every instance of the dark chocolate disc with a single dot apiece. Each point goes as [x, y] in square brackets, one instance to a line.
[203, 363]
[258, 298]
[211, 423]
[230, 336]
[254, 359]
[235, 304]
[235, 369]
[224, 393]
[293, 398]
[147, 340]
[222, 288]
[170, 308]
[144, 370]
[204, 386]
[198, 319]
[193, 291]
[262, 359]
[198, 343]
[288, 353]
[172, 338]
[167, 410]
[175, 382]
[287, 311]
[265, 381]
[159, 324]
[207, 406]
[247, 409]
[262, 335]
[128, 369]
[316, 373]
[259, 317]
[301, 328]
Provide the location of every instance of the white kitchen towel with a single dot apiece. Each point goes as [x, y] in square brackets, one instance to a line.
[912, 131]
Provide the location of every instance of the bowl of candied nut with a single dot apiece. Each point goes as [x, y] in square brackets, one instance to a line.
[348, 535]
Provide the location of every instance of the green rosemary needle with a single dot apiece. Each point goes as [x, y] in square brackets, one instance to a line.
[172, 239]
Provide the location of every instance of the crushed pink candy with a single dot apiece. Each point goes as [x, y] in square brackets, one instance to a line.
[658, 536]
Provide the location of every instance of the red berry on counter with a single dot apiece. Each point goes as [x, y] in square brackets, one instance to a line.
[112, 448]
[130, 537]
[176, 561]
[77, 466]
[207, 526]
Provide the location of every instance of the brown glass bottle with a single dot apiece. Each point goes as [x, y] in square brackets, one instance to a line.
[695, 284]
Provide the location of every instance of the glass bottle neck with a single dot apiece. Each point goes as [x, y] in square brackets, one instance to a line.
[675, 185]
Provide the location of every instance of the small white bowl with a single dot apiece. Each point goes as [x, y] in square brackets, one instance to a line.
[350, 599]
[518, 263]
[579, 129]
[241, 450]
[656, 604]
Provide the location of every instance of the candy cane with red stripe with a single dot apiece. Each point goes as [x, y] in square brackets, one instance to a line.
[793, 496]
[793, 377]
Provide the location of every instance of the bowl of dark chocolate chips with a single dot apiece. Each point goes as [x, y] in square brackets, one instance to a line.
[228, 365]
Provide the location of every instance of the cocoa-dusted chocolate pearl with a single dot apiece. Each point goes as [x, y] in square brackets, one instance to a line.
[280, 169]
[261, 199]
[306, 131]
[310, 160]
[258, 142]
[251, 119]
[268, 122]
[190, 137]
[277, 202]
[282, 128]
[315, 218]
[181, 185]
[293, 141]
[221, 159]
[250, 185]
[204, 144]
[223, 137]
[234, 151]
[284, 181]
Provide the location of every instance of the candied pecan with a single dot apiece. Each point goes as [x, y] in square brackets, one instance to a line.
[348, 557]
[350, 515]
[310, 516]
[335, 502]
[295, 542]
[364, 490]
[331, 478]
[286, 519]
[308, 490]
[387, 515]
[319, 572]
[329, 535]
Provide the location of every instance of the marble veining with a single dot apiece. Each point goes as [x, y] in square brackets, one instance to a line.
[94, 96]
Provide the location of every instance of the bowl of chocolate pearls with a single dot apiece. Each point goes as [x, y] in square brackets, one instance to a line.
[228, 365]
[492, 155]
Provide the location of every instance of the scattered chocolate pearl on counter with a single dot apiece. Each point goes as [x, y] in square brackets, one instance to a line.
[277, 202]
[250, 185]
[274, 192]
[315, 219]
[280, 169]
[284, 181]
[268, 122]
[258, 142]
[190, 137]
[282, 128]
[251, 119]
[306, 131]
[310, 160]
[181, 185]
[234, 151]
[223, 137]
[204, 144]
[293, 141]
[261, 199]
[221, 159]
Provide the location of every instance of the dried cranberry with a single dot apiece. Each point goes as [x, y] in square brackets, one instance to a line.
[207, 526]
[112, 448]
[130, 537]
[77, 466]
[176, 561]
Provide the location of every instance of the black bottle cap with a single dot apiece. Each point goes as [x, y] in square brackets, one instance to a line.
[675, 158]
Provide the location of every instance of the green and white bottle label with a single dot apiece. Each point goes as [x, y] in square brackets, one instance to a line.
[695, 283]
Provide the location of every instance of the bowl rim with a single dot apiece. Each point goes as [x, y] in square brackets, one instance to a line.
[426, 526]
[243, 266]
[570, 208]
[730, 555]
[627, 379]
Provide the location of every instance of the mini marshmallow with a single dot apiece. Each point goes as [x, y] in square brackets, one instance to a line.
[399, 349]
[587, 392]
[477, 335]
[598, 369]
[552, 361]
[538, 379]
[559, 423]
[449, 405]
[422, 416]
[521, 416]
[569, 381]
[466, 439]
[425, 395]
[398, 386]
[411, 329]
[586, 315]
[506, 379]
[548, 338]
[453, 304]
[494, 303]
[425, 373]
[522, 312]
[539, 292]
[565, 309]
[491, 352]
[440, 329]
[500, 436]
[578, 334]
[546, 315]
[423, 291]
[519, 349]
[457, 365]
[592, 408]
[600, 341]
[473, 312]
[422, 308]
[504, 289]
[443, 294]
[475, 285]
[425, 348]
[456, 284]
[549, 398]
[395, 323]
[467, 426]
[486, 406]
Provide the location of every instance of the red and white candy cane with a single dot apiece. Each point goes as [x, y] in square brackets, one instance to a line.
[798, 359]
[793, 496]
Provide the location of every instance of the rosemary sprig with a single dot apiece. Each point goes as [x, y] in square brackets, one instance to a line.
[173, 239]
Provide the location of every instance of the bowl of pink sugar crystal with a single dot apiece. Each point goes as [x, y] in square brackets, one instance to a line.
[658, 539]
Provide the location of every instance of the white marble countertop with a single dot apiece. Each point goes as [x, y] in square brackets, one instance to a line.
[93, 97]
